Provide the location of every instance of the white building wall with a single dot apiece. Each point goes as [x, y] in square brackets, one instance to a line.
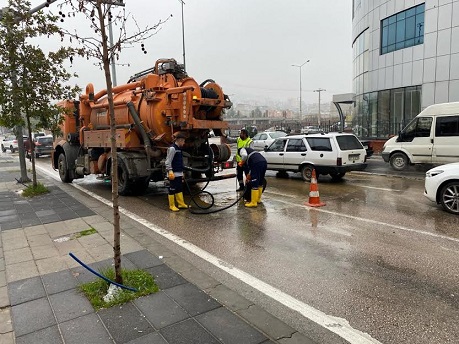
[433, 64]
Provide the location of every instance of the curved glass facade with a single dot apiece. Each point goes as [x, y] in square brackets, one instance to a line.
[405, 58]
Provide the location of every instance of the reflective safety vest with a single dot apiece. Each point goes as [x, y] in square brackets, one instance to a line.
[242, 144]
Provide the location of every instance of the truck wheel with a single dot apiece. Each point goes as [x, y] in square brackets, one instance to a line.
[140, 186]
[124, 185]
[306, 172]
[64, 172]
[449, 197]
[399, 161]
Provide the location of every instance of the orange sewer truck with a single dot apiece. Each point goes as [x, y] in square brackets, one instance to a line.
[149, 109]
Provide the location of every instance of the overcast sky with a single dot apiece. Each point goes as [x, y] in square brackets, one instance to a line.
[247, 46]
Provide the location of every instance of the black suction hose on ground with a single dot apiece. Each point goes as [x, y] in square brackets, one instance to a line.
[211, 204]
[202, 191]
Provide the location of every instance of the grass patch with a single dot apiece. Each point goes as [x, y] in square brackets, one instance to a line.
[85, 232]
[139, 279]
[31, 191]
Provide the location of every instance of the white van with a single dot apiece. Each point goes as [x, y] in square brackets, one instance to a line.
[432, 137]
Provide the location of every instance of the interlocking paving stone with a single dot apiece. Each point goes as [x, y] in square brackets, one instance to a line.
[160, 310]
[46, 336]
[59, 281]
[187, 332]
[32, 316]
[151, 338]
[87, 329]
[125, 322]
[229, 328]
[192, 299]
[69, 305]
[25, 290]
[165, 277]
[143, 259]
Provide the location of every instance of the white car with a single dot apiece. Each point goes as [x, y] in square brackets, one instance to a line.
[442, 186]
[331, 153]
[265, 138]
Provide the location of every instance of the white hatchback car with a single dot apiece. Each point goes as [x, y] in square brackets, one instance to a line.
[331, 153]
[442, 186]
[265, 138]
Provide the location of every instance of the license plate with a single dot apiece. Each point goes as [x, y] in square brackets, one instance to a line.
[353, 157]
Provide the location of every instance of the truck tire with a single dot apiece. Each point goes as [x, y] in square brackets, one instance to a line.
[306, 172]
[399, 161]
[124, 185]
[64, 172]
[140, 186]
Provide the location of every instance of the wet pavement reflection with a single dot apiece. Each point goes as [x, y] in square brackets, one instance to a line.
[379, 254]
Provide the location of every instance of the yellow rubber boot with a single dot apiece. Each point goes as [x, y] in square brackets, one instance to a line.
[260, 191]
[254, 198]
[180, 202]
[172, 203]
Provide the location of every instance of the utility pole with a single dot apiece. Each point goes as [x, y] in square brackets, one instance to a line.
[319, 90]
[183, 36]
[299, 66]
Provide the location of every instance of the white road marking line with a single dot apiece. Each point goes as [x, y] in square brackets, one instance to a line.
[338, 325]
[374, 187]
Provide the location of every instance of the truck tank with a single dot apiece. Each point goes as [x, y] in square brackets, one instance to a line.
[149, 109]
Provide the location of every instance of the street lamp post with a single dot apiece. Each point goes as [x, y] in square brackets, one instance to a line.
[183, 36]
[299, 66]
[319, 90]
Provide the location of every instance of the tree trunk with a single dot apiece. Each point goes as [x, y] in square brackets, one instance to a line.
[32, 152]
[114, 172]
[24, 178]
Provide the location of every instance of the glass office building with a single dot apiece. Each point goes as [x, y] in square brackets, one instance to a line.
[406, 57]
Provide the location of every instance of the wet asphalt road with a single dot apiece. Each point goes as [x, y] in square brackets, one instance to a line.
[379, 254]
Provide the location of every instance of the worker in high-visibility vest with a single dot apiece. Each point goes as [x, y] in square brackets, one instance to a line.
[243, 141]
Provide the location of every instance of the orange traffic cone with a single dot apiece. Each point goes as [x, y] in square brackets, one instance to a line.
[314, 199]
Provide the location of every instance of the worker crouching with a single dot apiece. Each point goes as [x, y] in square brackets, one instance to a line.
[255, 166]
[174, 167]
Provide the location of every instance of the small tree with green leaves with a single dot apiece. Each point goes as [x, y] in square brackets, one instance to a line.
[31, 81]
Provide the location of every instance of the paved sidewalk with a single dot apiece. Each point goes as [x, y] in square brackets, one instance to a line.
[40, 302]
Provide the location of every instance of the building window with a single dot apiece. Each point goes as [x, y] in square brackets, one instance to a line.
[384, 113]
[403, 30]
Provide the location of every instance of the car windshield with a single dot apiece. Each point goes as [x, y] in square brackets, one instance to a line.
[278, 134]
[348, 142]
[45, 140]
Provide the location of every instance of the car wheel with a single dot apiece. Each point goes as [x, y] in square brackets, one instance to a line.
[64, 172]
[37, 155]
[3, 149]
[399, 161]
[11, 149]
[306, 172]
[449, 197]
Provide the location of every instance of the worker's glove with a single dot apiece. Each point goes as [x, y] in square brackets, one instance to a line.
[171, 175]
